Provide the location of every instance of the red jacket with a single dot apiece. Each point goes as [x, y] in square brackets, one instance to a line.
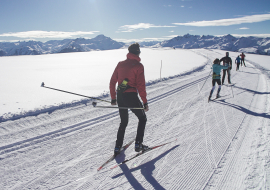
[133, 70]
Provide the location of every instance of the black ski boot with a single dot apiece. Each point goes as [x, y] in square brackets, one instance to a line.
[117, 150]
[140, 147]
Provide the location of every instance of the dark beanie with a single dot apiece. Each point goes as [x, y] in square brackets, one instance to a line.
[216, 61]
[134, 48]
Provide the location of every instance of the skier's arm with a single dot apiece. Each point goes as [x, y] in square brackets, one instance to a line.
[224, 67]
[140, 81]
[222, 59]
[113, 82]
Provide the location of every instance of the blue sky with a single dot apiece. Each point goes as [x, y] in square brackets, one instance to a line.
[131, 20]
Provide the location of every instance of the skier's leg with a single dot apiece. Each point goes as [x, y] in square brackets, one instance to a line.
[132, 100]
[124, 122]
[223, 76]
[213, 88]
[122, 128]
[219, 88]
[141, 125]
[229, 76]
[211, 92]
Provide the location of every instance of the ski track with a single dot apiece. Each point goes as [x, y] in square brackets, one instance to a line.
[63, 149]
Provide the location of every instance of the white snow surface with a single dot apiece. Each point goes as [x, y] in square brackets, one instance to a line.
[86, 73]
[223, 144]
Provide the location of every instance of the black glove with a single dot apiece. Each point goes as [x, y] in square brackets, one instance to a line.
[113, 102]
[145, 106]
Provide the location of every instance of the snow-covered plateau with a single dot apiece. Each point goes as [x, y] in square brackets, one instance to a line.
[223, 144]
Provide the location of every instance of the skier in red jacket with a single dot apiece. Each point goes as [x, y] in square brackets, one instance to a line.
[129, 75]
[243, 59]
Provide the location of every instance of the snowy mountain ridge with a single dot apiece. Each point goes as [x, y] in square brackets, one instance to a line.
[228, 42]
[100, 42]
[249, 44]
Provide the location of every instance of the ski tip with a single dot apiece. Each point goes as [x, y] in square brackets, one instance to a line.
[114, 167]
[42, 84]
[99, 168]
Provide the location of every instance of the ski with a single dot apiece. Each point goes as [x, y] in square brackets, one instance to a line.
[213, 99]
[113, 156]
[209, 99]
[141, 153]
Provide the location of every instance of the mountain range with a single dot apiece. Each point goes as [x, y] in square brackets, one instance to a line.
[100, 42]
[228, 42]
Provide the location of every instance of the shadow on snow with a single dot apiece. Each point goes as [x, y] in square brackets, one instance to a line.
[146, 170]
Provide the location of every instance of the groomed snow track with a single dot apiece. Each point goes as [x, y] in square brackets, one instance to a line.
[63, 149]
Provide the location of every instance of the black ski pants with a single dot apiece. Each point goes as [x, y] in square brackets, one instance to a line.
[224, 74]
[243, 62]
[238, 64]
[130, 99]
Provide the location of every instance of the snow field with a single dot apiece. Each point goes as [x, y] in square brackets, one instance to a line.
[86, 73]
[220, 145]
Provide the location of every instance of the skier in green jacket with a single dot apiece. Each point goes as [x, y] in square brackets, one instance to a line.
[216, 77]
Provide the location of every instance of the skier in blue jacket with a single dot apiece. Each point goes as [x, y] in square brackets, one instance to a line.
[237, 61]
[216, 77]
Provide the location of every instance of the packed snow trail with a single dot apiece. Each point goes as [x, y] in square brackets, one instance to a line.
[221, 144]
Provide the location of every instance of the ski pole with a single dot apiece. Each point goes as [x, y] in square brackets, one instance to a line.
[95, 105]
[43, 85]
[118, 107]
[205, 81]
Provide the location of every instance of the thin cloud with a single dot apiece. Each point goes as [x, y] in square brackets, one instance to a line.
[140, 26]
[171, 36]
[254, 35]
[46, 34]
[228, 22]
[145, 39]
[243, 28]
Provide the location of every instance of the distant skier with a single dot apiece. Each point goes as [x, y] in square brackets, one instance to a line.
[227, 61]
[129, 75]
[243, 59]
[237, 62]
[216, 77]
